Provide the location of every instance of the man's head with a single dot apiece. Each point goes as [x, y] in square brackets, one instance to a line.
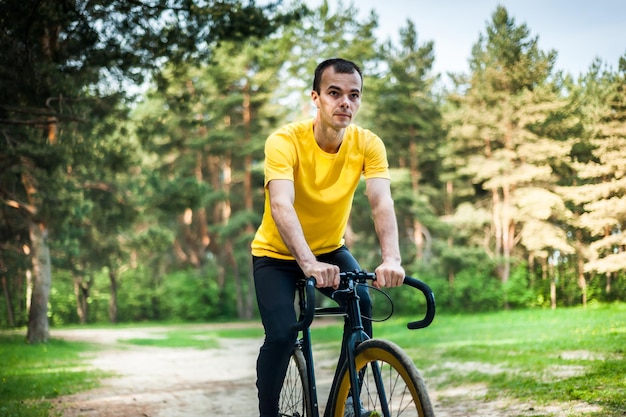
[336, 94]
[340, 65]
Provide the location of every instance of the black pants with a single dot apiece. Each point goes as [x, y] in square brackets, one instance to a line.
[275, 282]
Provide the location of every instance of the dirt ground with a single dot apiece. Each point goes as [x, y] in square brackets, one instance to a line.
[185, 382]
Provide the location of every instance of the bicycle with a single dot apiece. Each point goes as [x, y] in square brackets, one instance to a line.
[390, 386]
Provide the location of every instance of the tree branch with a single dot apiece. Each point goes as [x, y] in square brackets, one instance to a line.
[32, 210]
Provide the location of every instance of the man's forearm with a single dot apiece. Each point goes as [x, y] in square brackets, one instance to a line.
[386, 227]
[385, 223]
[291, 232]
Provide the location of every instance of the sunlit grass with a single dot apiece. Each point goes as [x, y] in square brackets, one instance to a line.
[540, 356]
[40, 372]
[530, 356]
[177, 339]
[193, 337]
[533, 356]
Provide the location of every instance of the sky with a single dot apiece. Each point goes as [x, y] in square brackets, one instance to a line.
[578, 30]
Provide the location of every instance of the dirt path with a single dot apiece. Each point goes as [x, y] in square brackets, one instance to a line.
[183, 382]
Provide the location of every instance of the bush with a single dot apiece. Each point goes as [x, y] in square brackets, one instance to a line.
[189, 296]
[517, 292]
[477, 290]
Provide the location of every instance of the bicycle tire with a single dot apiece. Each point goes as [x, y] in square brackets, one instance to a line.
[404, 389]
[294, 398]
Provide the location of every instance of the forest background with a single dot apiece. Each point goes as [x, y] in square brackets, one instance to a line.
[131, 159]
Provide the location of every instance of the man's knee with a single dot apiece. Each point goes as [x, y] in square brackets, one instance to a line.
[280, 334]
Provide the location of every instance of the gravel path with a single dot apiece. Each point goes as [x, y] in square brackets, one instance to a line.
[184, 382]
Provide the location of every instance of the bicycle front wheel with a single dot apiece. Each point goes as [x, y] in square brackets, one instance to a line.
[390, 383]
[294, 396]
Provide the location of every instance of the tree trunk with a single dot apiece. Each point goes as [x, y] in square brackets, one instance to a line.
[29, 288]
[248, 198]
[580, 267]
[81, 300]
[113, 295]
[547, 272]
[497, 227]
[38, 326]
[448, 212]
[9, 304]
[418, 233]
[507, 234]
[201, 216]
[230, 255]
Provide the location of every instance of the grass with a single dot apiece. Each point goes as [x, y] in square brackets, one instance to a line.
[178, 338]
[535, 357]
[31, 373]
[192, 337]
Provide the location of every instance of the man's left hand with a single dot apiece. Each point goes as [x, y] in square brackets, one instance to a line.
[389, 275]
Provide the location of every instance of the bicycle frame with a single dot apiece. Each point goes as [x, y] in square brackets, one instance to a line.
[352, 314]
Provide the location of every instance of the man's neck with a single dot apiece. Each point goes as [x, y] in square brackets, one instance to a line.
[328, 139]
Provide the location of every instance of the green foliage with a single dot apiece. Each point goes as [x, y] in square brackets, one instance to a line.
[190, 295]
[477, 290]
[40, 372]
[518, 292]
[62, 300]
[166, 201]
[138, 296]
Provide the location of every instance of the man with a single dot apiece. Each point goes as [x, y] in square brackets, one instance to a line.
[312, 170]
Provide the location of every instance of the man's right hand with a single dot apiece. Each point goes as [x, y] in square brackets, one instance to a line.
[326, 275]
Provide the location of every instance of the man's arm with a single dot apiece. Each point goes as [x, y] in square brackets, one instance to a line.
[390, 272]
[282, 195]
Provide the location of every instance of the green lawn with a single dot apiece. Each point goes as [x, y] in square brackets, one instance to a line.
[30, 373]
[537, 357]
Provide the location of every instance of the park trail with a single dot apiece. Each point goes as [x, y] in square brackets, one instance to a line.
[187, 382]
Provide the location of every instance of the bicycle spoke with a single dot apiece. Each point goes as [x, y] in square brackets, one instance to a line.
[293, 401]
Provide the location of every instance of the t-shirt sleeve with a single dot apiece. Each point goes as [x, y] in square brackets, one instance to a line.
[280, 158]
[375, 164]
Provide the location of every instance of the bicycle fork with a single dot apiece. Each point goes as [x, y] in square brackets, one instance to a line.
[356, 380]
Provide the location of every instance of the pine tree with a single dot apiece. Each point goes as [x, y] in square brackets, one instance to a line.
[409, 121]
[599, 190]
[63, 62]
[501, 138]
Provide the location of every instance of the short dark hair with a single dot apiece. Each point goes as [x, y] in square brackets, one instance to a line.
[340, 65]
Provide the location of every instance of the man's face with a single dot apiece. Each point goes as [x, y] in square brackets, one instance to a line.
[339, 98]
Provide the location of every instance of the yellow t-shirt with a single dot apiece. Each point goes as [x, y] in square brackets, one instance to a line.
[324, 184]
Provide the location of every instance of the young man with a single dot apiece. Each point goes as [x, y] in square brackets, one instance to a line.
[312, 170]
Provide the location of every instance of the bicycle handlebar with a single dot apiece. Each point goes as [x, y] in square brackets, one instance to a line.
[361, 277]
[430, 303]
[309, 312]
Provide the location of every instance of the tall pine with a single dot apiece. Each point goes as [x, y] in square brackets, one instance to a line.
[501, 142]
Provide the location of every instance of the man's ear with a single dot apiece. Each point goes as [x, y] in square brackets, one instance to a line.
[315, 97]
